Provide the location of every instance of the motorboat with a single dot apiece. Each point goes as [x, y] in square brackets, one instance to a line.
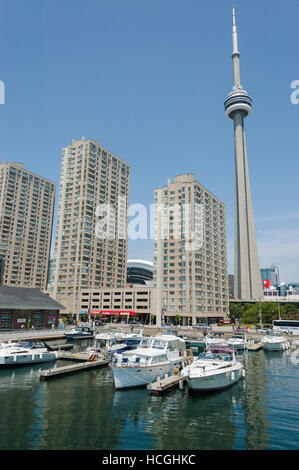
[132, 339]
[25, 352]
[80, 332]
[216, 339]
[238, 341]
[214, 370]
[195, 345]
[155, 357]
[109, 343]
[275, 341]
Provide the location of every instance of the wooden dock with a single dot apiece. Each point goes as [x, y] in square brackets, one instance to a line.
[167, 383]
[78, 357]
[255, 346]
[61, 371]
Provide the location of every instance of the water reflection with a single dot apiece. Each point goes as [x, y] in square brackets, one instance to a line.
[83, 411]
[254, 404]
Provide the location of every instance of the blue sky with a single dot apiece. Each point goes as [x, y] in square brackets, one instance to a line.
[147, 79]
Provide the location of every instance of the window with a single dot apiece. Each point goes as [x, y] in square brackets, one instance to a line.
[5, 321]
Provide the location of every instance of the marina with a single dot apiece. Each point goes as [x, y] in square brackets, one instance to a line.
[171, 418]
[160, 413]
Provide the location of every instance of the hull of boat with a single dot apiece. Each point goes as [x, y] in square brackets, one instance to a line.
[131, 377]
[275, 346]
[214, 382]
[70, 336]
[37, 358]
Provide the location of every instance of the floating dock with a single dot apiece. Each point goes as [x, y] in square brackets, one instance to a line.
[68, 356]
[61, 371]
[255, 346]
[167, 383]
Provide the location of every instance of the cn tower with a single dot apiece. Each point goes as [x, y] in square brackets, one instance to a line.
[248, 283]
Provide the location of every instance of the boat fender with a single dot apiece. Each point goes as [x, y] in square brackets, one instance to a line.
[243, 373]
[92, 357]
[175, 370]
[233, 376]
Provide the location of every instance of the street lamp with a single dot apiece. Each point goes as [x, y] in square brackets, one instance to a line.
[260, 313]
[278, 307]
[162, 315]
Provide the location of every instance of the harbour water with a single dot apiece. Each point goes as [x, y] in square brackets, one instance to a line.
[83, 411]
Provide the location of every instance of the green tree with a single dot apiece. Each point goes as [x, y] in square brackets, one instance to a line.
[250, 314]
[289, 311]
[236, 310]
[178, 319]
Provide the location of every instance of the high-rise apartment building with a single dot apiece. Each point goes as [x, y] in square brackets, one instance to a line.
[190, 253]
[26, 217]
[92, 179]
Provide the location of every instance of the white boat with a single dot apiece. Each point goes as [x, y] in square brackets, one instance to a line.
[108, 343]
[132, 340]
[25, 352]
[275, 341]
[238, 341]
[215, 340]
[155, 357]
[80, 332]
[214, 370]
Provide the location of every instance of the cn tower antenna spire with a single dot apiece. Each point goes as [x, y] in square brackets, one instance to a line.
[236, 54]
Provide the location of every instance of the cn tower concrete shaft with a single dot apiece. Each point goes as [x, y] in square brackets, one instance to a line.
[248, 283]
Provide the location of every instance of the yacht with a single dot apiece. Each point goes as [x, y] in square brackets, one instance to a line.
[275, 341]
[238, 341]
[80, 332]
[155, 357]
[25, 352]
[214, 370]
[108, 343]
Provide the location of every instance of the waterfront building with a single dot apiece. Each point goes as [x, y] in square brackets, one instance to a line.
[137, 303]
[248, 283]
[23, 308]
[295, 286]
[270, 274]
[26, 217]
[139, 271]
[91, 178]
[190, 252]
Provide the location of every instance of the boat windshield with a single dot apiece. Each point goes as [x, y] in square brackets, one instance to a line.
[274, 333]
[159, 344]
[214, 356]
